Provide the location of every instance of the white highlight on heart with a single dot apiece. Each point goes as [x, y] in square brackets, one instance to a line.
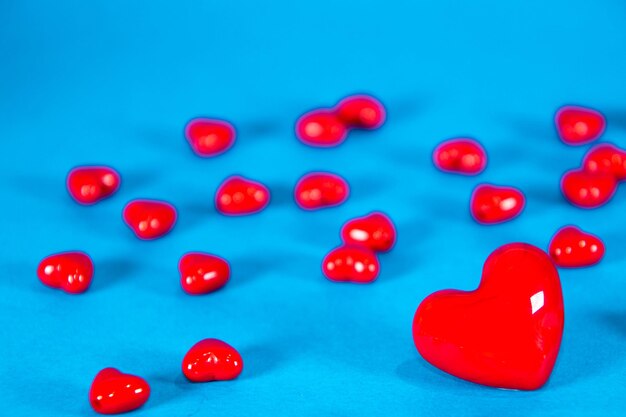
[536, 301]
[359, 235]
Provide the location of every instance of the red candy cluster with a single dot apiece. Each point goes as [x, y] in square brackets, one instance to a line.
[114, 392]
[328, 127]
[506, 333]
[595, 182]
[363, 237]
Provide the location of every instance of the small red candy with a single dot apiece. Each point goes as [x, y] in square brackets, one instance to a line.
[374, 231]
[90, 184]
[606, 159]
[240, 196]
[588, 190]
[209, 137]
[579, 125]
[351, 264]
[361, 112]
[212, 360]
[492, 204]
[202, 273]
[321, 189]
[69, 271]
[149, 219]
[113, 392]
[321, 128]
[570, 247]
[460, 156]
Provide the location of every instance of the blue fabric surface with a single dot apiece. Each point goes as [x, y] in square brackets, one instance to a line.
[113, 82]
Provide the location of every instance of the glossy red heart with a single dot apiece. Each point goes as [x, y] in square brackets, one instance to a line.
[238, 196]
[351, 264]
[570, 247]
[149, 219]
[321, 189]
[209, 137]
[460, 156]
[588, 190]
[113, 392]
[212, 360]
[361, 112]
[374, 231]
[579, 125]
[70, 271]
[504, 334]
[202, 273]
[321, 128]
[606, 159]
[90, 184]
[492, 204]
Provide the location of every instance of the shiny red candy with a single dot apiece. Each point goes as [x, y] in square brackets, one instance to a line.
[90, 184]
[202, 273]
[460, 156]
[70, 271]
[374, 231]
[240, 196]
[113, 392]
[321, 128]
[321, 189]
[579, 125]
[606, 159]
[209, 137]
[149, 219]
[492, 204]
[351, 264]
[504, 334]
[212, 360]
[570, 247]
[588, 190]
[361, 112]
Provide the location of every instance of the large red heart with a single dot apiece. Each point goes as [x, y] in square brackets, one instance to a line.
[504, 334]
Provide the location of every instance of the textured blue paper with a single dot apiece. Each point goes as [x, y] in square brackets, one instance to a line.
[114, 82]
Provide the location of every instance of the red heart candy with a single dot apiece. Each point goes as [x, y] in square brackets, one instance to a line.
[570, 247]
[588, 190]
[209, 137]
[240, 196]
[321, 128]
[90, 184]
[351, 264]
[212, 360]
[491, 204]
[606, 159]
[320, 189]
[113, 392]
[504, 334]
[69, 271]
[460, 156]
[149, 219]
[202, 273]
[374, 231]
[361, 112]
[579, 125]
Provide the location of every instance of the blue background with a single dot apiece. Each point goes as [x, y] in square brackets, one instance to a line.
[113, 82]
